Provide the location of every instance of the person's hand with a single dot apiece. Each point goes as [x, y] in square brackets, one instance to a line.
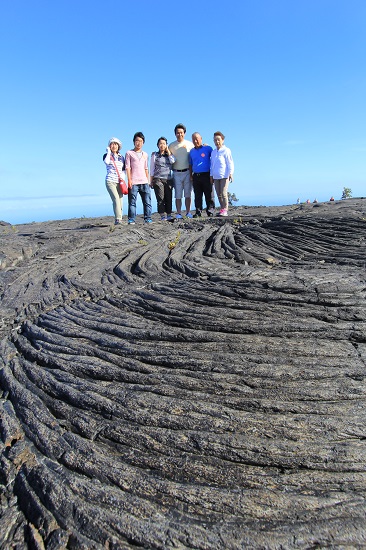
[108, 149]
[230, 178]
[130, 184]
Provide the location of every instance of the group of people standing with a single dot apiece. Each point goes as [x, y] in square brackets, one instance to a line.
[179, 166]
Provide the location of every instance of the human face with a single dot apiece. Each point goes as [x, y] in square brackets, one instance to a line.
[218, 141]
[162, 145]
[179, 134]
[197, 140]
[138, 144]
[114, 147]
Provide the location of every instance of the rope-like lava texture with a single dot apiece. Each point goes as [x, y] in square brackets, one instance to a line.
[193, 386]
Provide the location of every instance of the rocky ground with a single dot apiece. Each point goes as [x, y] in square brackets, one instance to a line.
[191, 385]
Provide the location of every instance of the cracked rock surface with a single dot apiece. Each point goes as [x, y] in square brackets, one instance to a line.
[191, 385]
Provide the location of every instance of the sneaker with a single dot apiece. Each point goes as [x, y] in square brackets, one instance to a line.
[118, 222]
[197, 216]
[209, 213]
[189, 215]
[179, 217]
[149, 220]
[131, 222]
[163, 218]
[170, 218]
[223, 212]
[220, 213]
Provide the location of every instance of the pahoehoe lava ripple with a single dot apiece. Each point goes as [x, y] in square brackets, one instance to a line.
[209, 394]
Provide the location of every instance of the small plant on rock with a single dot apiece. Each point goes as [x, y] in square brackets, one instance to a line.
[173, 244]
[231, 197]
[347, 193]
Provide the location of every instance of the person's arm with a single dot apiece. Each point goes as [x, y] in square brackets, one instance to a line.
[190, 166]
[171, 157]
[231, 165]
[146, 167]
[107, 158]
[128, 170]
[129, 177]
[152, 167]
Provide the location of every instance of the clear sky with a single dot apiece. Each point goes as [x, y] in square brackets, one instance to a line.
[284, 80]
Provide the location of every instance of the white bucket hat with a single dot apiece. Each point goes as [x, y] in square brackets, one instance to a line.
[114, 140]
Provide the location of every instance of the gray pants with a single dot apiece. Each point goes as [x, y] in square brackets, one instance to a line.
[117, 198]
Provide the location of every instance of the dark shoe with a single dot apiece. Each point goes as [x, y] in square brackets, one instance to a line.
[209, 214]
[197, 215]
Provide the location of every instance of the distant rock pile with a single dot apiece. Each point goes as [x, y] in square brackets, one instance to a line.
[206, 395]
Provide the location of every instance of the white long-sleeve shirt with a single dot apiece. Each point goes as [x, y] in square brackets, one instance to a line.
[222, 164]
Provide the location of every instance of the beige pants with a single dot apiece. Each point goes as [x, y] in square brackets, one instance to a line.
[117, 198]
[221, 187]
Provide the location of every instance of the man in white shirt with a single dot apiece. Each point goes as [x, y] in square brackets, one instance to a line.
[182, 182]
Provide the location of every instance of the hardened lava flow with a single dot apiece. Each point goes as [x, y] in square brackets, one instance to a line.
[191, 385]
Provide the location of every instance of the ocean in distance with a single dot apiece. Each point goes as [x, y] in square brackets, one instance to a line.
[48, 208]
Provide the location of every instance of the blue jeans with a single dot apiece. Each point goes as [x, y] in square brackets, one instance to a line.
[145, 194]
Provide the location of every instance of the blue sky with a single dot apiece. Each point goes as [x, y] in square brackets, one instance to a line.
[284, 80]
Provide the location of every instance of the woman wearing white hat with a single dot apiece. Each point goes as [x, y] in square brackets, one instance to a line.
[115, 164]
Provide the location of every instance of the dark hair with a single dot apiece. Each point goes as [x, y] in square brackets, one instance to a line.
[160, 138]
[219, 134]
[139, 135]
[180, 125]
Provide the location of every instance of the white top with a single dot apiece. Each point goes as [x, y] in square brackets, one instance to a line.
[222, 164]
